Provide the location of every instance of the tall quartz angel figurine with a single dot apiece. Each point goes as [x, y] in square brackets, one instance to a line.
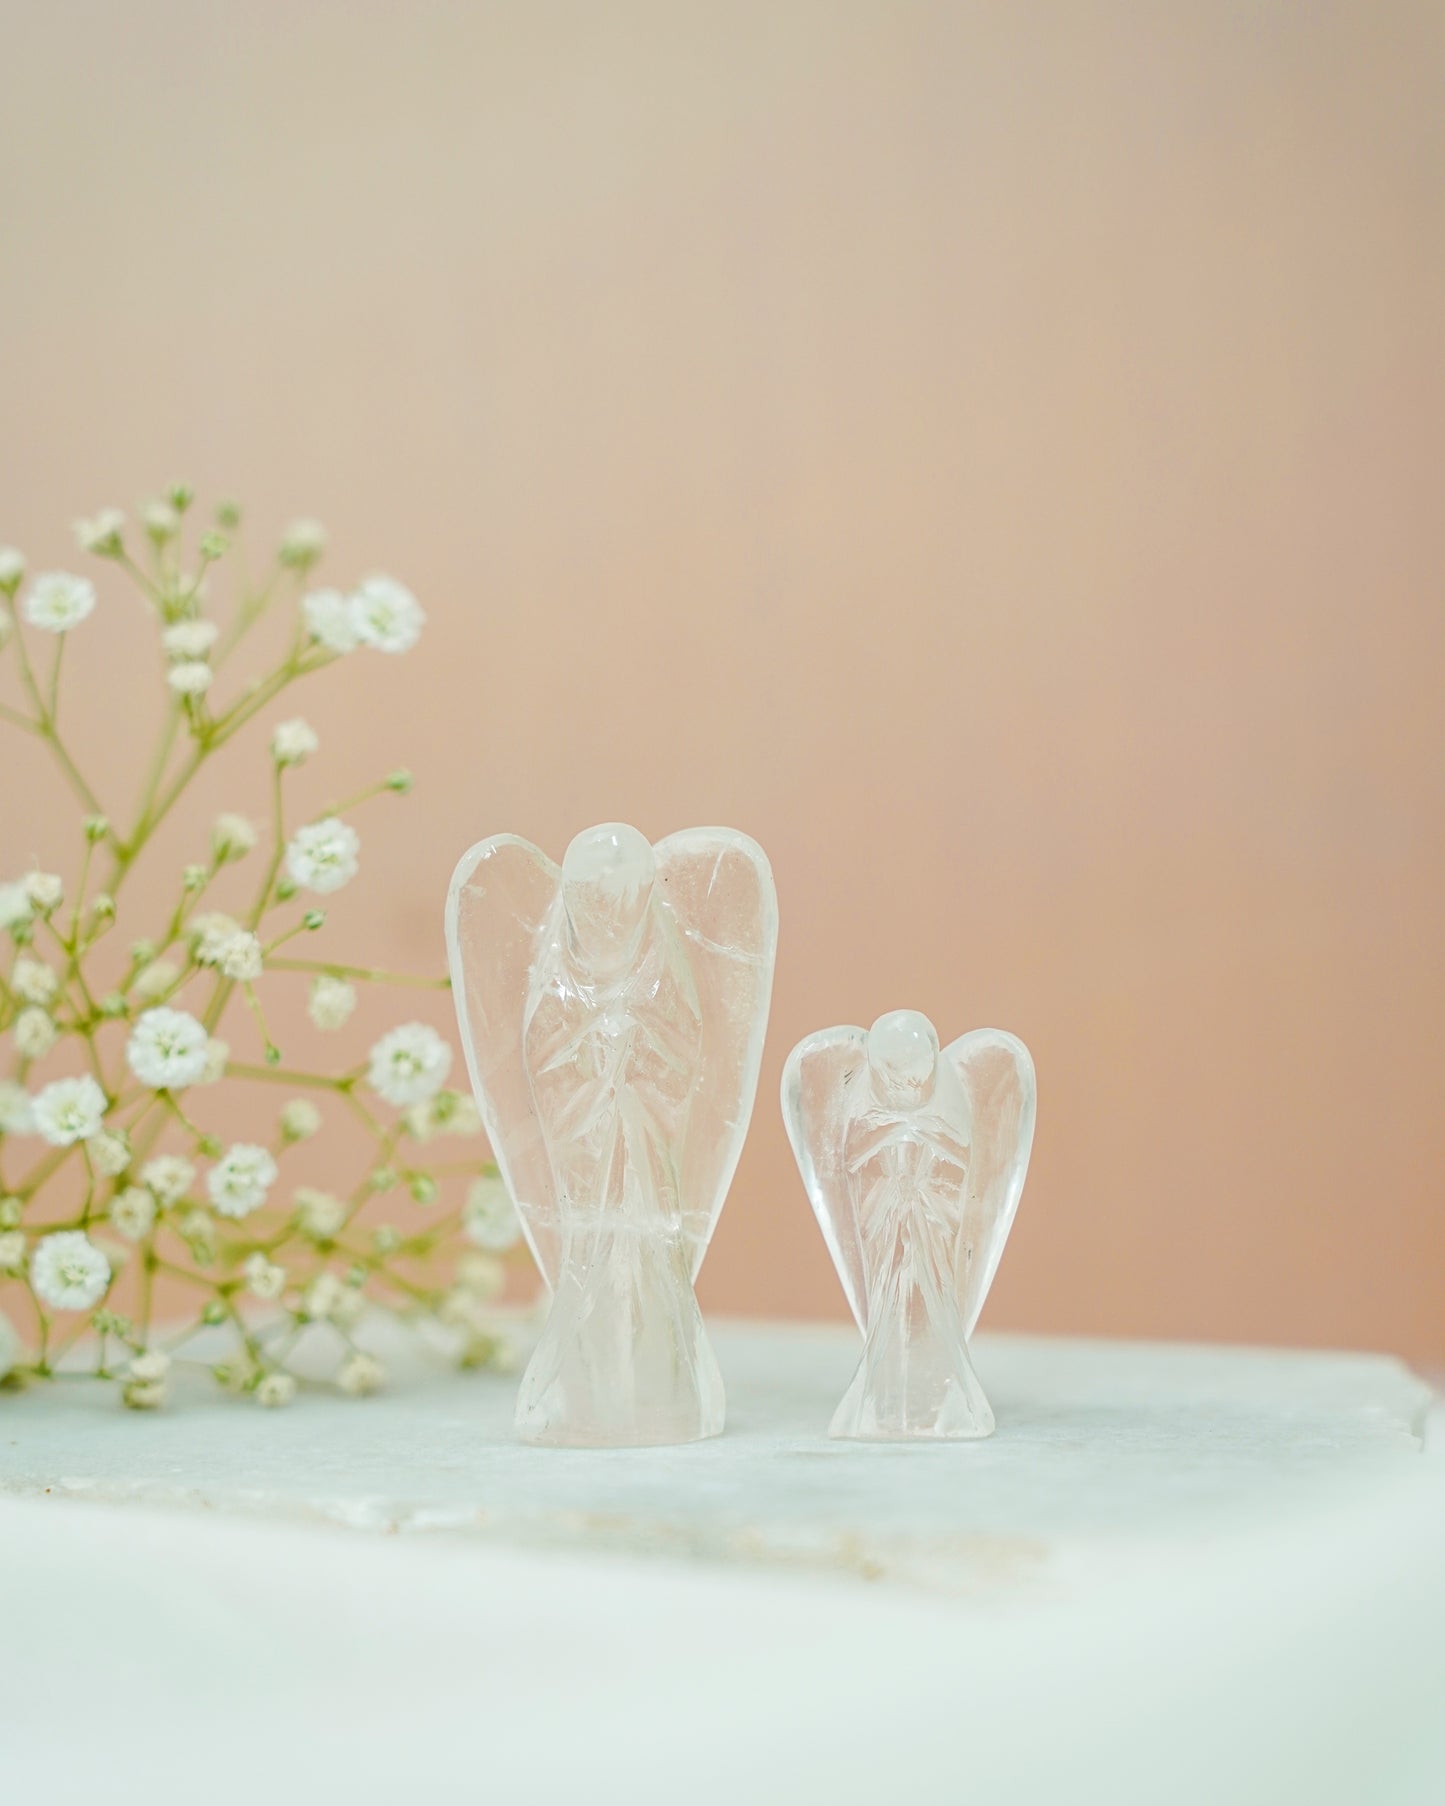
[613, 1013]
[914, 1161]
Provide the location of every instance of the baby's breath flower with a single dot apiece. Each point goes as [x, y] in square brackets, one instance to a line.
[14, 904]
[16, 1116]
[155, 980]
[33, 981]
[448, 1113]
[241, 957]
[11, 1211]
[68, 1271]
[232, 837]
[349, 1308]
[109, 1153]
[189, 639]
[322, 1296]
[240, 1179]
[190, 678]
[409, 1065]
[12, 1251]
[331, 1003]
[12, 569]
[303, 543]
[35, 1034]
[300, 1119]
[217, 1054]
[318, 1214]
[264, 1279]
[68, 1110]
[323, 855]
[385, 615]
[423, 1188]
[489, 1217]
[143, 1395]
[209, 933]
[293, 742]
[275, 1390]
[167, 1049]
[361, 1375]
[45, 892]
[56, 601]
[133, 1213]
[151, 1366]
[457, 1113]
[169, 1177]
[199, 1233]
[481, 1275]
[101, 533]
[328, 620]
[161, 521]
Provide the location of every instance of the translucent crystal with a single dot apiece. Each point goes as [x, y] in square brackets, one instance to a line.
[914, 1161]
[613, 1013]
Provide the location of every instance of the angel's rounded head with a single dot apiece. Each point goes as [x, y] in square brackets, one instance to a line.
[607, 875]
[903, 1058]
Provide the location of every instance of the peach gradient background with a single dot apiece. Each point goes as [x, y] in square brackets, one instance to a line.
[992, 455]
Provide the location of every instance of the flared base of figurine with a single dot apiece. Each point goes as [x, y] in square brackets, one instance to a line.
[646, 1435]
[624, 1365]
[895, 1407]
[546, 1420]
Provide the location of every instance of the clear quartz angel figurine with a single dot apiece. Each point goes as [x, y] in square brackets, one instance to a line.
[613, 1013]
[914, 1161]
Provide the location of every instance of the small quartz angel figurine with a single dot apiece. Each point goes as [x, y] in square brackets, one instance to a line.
[613, 1012]
[914, 1161]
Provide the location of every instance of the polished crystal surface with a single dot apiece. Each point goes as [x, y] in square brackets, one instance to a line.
[613, 1011]
[914, 1162]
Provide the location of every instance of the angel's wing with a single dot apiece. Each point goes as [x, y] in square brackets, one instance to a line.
[718, 887]
[997, 1072]
[503, 895]
[816, 1083]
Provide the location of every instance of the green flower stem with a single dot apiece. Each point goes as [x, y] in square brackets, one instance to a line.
[52, 703]
[143, 583]
[370, 974]
[281, 1075]
[278, 848]
[16, 719]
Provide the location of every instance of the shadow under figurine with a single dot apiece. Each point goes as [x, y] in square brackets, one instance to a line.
[914, 1161]
[613, 1011]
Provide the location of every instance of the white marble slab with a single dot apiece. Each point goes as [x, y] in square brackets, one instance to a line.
[1176, 1575]
[1097, 1443]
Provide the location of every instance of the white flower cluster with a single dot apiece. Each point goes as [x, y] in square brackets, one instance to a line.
[382, 614]
[131, 1204]
[68, 1271]
[57, 601]
[324, 855]
[409, 1065]
[168, 1049]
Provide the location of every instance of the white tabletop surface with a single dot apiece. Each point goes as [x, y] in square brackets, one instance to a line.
[1175, 1574]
